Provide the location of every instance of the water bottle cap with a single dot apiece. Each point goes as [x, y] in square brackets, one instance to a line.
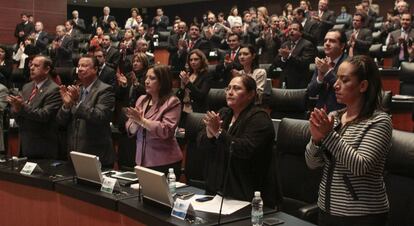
[171, 170]
[257, 194]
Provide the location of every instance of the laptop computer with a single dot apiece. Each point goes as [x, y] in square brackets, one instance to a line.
[154, 186]
[87, 167]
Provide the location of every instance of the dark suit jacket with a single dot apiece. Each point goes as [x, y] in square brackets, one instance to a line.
[310, 31]
[269, 44]
[218, 35]
[88, 123]
[179, 60]
[198, 92]
[363, 41]
[325, 90]
[42, 41]
[296, 67]
[75, 35]
[104, 25]
[37, 122]
[27, 28]
[162, 25]
[328, 20]
[80, 25]
[107, 75]
[223, 72]
[62, 56]
[112, 57]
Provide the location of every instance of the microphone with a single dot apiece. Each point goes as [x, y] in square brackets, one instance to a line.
[225, 181]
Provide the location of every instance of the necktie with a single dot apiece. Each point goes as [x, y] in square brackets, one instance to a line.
[84, 93]
[191, 44]
[33, 94]
[233, 54]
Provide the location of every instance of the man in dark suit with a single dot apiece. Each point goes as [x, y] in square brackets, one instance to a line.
[229, 61]
[142, 47]
[106, 19]
[324, 78]
[398, 40]
[105, 73]
[325, 19]
[79, 22]
[87, 111]
[310, 27]
[359, 38]
[23, 28]
[72, 32]
[40, 37]
[269, 42]
[160, 22]
[294, 58]
[213, 32]
[112, 53]
[174, 45]
[250, 29]
[62, 48]
[35, 112]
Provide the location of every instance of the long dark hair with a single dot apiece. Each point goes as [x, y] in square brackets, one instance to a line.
[162, 72]
[366, 69]
[252, 50]
[203, 60]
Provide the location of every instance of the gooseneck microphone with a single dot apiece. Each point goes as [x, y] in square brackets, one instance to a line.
[225, 181]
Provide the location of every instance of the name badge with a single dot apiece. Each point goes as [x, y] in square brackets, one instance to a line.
[180, 208]
[30, 167]
[108, 184]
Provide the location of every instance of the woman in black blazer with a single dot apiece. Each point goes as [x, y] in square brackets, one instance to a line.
[195, 84]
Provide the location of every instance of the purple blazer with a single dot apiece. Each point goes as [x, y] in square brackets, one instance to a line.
[159, 147]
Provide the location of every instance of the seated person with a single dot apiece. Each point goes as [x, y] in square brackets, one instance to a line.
[240, 135]
[153, 121]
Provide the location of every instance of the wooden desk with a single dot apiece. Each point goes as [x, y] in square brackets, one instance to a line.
[390, 80]
[401, 112]
[161, 56]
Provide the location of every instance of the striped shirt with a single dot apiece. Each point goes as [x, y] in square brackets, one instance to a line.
[353, 157]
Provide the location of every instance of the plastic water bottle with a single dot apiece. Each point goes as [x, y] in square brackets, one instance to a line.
[257, 209]
[171, 181]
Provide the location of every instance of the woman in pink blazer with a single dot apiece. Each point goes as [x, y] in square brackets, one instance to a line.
[154, 120]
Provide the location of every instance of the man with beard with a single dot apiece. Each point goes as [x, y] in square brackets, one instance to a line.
[213, 32]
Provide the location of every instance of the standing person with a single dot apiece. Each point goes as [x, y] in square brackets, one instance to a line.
[325, 18]
[351, 145]
[153, 121]
[87, 111]
[241, 136]
[79, 22]
[195, 83]
[229, 61]
[398, 40]
[160, 22]
[35, 112]
[23, 28]
[106, 19]
[294, 58]
[40, 38]
[234, 16]
[94, 25]
[132, 23]
[6, 65]
[359, 38]
[325, 75]
[62, 48]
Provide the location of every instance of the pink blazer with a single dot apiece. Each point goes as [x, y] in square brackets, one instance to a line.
[160, 145]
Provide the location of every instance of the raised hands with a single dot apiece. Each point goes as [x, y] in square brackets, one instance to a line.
[70, 95]
[320, 124]
[213, 123]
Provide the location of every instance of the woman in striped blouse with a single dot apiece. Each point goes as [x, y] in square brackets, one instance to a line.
[351, 145]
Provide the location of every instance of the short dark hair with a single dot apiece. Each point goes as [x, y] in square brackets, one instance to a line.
[362, 15]
[342, 35]
[135, 9]
[95, 62]
[300, 11]
[365, 68]
[249, 84]
[234, 34]
[299, 24]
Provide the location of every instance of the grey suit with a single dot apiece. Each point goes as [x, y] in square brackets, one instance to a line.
[36, 120]
[362, 42]
[62, 56]
[88, 123]
[395, 48]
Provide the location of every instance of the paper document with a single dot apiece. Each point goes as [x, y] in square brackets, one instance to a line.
[213, 206]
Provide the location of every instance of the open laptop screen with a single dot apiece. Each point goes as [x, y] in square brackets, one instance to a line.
[87, 167]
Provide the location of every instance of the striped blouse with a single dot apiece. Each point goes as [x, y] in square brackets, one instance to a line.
[353, 157]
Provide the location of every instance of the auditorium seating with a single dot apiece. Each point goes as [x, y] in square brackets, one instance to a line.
[407, 79]
[216, 99]
[299, 184]
[194, 162]
[288, 103]
[67, 74]
[399, 179]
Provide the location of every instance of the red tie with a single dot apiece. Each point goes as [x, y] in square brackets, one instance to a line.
[33, 94]
[191, 44]
[233, 54]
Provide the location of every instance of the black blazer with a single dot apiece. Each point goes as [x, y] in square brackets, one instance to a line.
[223, 72]
[310, 31]
[112, 57]
[104, 25]
[62, 56]
[42, 41]
[296, 67]
[251, 137]
[199, 90]
[328, 20]
[80, 25]
[107, 75]
[363, 41]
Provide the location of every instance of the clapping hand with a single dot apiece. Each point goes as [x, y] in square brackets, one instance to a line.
[121, 79]
[213, 123]
[16, 102]
[135, 114]
[284, 52]
[185, 77]
[320, 124]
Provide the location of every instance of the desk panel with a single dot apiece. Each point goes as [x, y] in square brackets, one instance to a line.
[27, 205]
